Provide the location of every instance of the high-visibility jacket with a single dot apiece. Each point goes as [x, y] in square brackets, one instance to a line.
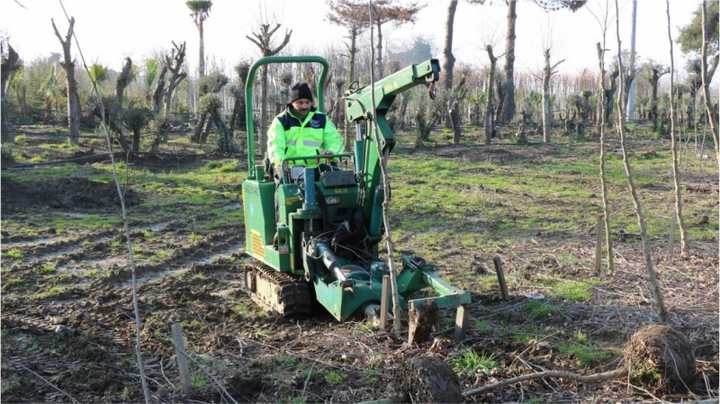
[289, 136]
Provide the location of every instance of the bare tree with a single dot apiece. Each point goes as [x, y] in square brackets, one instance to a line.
[159, 90]
[712, 113]
[200, 11]
[386, 11]
[601, 127]
[652, 275]
[174, 62]
[354, 17]
[448, 66]
[11, 63]
[448, 57]
[508, 104]
[489, 124]
[684, 249]
[263, 39]
[457, 95]
[654, 72]
[548, 72]
[73, 99]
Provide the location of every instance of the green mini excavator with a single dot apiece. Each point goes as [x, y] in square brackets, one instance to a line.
[312, 230]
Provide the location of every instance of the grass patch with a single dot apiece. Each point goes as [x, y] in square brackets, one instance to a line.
[48, 267]
[52, 291]
[333, 377]
[470, 361]
[13, 254]
[576, 291]
[586, 353]
[539, 309]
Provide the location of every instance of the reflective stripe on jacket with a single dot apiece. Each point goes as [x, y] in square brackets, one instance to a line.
[288, 136]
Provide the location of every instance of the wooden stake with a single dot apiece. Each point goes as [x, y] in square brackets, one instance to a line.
[384, 302]
[599, 229]
[181, 356]
[461, 322]
[501, 277]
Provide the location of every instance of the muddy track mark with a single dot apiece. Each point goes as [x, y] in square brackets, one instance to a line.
[216, 244]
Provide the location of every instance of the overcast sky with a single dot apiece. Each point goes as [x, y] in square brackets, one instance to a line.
[110, 30]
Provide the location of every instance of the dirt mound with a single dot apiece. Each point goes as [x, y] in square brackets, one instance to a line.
[68, 193]
[661, 358]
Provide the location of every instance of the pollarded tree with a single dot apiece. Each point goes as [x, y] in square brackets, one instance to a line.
[68, 64]
[263, 39]
[654, 72]
[208, 87]
[200, 11]
[237, 119]
[174, 63]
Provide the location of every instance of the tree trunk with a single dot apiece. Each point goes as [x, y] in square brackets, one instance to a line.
[546, 112]
[73, 99]
[603, 182]
[712, 112]
[403, 110]
[159, 90]
[652, 275]
[206, 133]
[122, 82]
[489, 124]
[654, 79]
[197, 132]
[508, 105]
[684, 249]
[8, 136]
[449, 62]
[690, 112]
[380, 68]
[632, 86]
[201, 61]
[352, 52]
[136, 141]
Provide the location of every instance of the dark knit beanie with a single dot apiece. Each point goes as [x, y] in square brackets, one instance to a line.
[300, 90]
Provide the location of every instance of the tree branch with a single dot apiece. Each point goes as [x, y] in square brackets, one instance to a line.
[593, 378]
[254, 41]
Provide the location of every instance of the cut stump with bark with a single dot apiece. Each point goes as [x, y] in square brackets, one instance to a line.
[422, 319]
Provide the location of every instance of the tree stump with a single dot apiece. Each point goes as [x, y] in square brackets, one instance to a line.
[422, 319]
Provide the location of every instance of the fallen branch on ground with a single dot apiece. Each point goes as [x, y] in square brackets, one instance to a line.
[593, 378]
